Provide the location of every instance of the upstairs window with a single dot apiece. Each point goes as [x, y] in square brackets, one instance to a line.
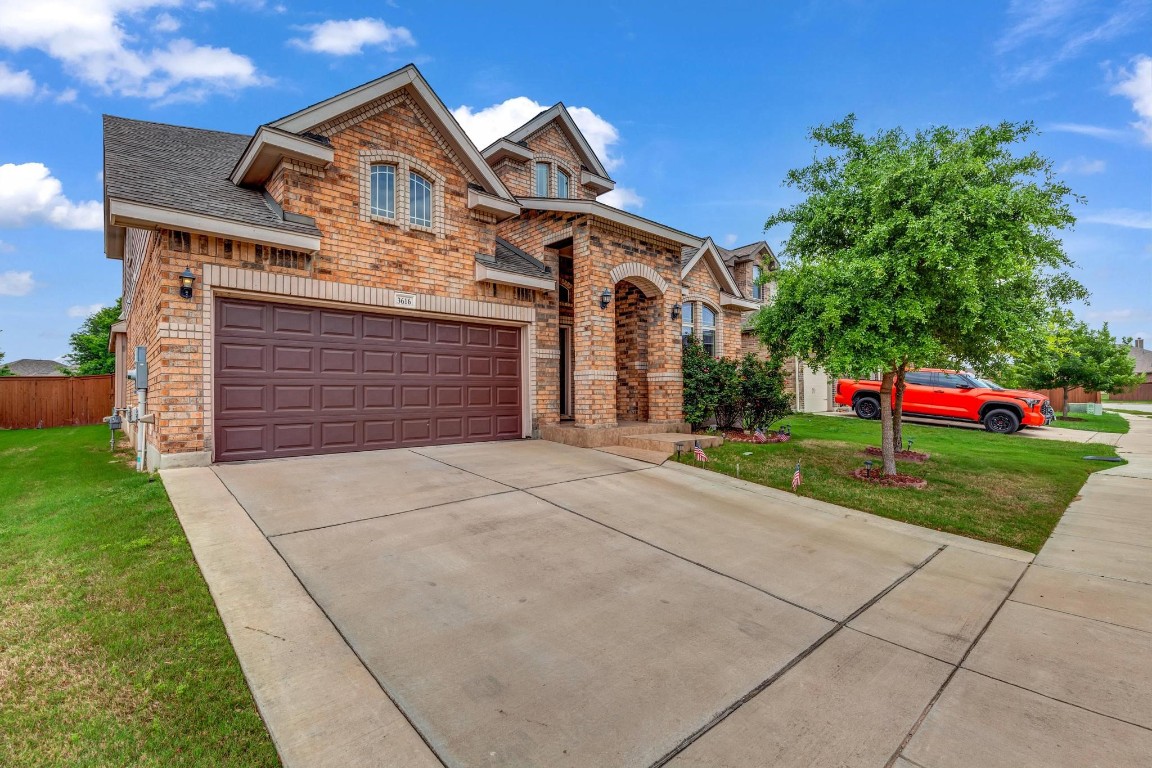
[708, 330]
[384, 191]
[757, 287]
[686, 327]
[419, 200]
[542, 170]
[561, 183]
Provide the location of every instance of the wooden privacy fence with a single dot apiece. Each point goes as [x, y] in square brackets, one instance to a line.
[27, 402]
[1076, 395]
[1140, 392]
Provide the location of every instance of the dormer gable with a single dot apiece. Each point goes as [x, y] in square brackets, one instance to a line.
[537, 141]
[707, 256]
[301, 136]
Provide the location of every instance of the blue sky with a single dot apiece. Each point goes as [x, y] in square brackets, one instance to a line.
[699, 109]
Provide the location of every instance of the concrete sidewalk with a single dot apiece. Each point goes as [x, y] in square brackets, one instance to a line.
[1061, 676]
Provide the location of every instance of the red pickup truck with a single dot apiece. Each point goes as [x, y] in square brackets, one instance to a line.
[941, 394]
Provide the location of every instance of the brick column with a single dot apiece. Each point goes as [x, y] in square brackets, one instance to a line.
[665, 383]
[593, 334]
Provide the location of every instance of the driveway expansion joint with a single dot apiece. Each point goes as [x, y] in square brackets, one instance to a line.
[792, 663]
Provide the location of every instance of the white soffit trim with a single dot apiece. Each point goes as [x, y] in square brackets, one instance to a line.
[716, 264]
[502, 148]
[728, 301]
[409, 77]
[266, 149]
[608, 213]
[501, 209]
[599, 184]
[122, 213]
[492, 275]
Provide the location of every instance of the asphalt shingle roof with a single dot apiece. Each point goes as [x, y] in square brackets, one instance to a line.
[184, 169]
[32, 367]
[511, 259]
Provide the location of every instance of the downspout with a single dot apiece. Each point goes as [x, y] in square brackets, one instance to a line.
[797, 384]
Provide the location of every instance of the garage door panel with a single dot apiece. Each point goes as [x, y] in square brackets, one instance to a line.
[293, 381]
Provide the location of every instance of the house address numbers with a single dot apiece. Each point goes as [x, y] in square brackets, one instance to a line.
[406, 300]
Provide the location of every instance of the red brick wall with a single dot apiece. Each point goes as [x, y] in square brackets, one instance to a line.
[633, 315]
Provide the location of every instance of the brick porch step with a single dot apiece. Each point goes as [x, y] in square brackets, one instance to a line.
[665, 442]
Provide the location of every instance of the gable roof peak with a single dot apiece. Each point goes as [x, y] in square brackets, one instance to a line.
[558, 113]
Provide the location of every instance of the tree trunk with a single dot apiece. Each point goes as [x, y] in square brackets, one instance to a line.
[886, 445]
[898, 409]
[1065, 402]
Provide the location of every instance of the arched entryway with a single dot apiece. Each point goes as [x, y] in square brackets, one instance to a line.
[634, 308]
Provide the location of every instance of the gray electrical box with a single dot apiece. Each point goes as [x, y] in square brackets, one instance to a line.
[139, 372]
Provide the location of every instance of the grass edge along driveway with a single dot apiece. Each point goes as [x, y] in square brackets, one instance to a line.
[111, 650]
[1007, 489]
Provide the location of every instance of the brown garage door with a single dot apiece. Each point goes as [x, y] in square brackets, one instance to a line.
[292, 381]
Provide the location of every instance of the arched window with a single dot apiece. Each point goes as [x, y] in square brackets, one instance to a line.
[708, 329]
[686, 327]
[384, 191]
[419, 200]
[561, 183]
[542, 179]
[757, 288]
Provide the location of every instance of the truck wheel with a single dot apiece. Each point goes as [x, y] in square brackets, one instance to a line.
[867, 408]
[1001, 421]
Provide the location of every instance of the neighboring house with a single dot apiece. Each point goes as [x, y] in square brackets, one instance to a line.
[365, 277]
[1142, 359]
[31, 367]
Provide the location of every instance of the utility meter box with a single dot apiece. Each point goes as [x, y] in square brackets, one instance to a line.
[139, 372]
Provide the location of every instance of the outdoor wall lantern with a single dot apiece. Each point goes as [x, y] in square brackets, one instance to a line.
[186, 281]
[675, 311]
[605, 299]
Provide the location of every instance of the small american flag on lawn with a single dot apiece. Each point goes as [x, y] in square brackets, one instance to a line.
[699, 452]
[796, 478]
[759, 436]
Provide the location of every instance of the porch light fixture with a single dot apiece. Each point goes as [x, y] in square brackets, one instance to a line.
[675, 311]
[186, 281]
[605, 298]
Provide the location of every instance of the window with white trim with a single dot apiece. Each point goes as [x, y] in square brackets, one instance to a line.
[542, 172]
[383, 190]
[419, 200]
[686, 325]
[757, 286]
[561, 183]
[708, 329]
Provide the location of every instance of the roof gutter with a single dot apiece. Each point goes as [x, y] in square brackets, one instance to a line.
[124, 213]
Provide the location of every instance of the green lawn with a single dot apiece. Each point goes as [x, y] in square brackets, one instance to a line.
[111, 651]
[1007, 489]
[1108, 422]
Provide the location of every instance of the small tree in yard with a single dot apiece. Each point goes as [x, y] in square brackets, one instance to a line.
[917, 250]
[1078, 356]
[90, 355]
[762, 394]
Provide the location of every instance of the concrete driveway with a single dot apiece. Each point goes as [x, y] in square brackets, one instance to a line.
[528, 603]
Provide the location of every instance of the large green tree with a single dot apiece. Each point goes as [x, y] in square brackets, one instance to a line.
[908, 251]
[1078, 356]
[90, 355]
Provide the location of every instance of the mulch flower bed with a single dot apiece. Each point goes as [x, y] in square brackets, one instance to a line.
[739, 436]
[890, 481]
[915, 456]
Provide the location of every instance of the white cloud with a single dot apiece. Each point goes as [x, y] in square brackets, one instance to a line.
[165, 22]
[1120, 217]
[486, 125]
[350, 36]
[1095, 131]
[16, 84]
[92, 41]
[6, 247]
[30, 194]
[1137, 86]
[730, 240]
[1082, 166]
[16, 283]
[622, 197]
[83, 311]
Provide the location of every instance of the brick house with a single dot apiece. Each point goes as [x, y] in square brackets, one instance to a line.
[363, 276]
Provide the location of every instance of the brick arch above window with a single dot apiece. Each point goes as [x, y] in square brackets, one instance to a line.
[555, 163]
[404, 164]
